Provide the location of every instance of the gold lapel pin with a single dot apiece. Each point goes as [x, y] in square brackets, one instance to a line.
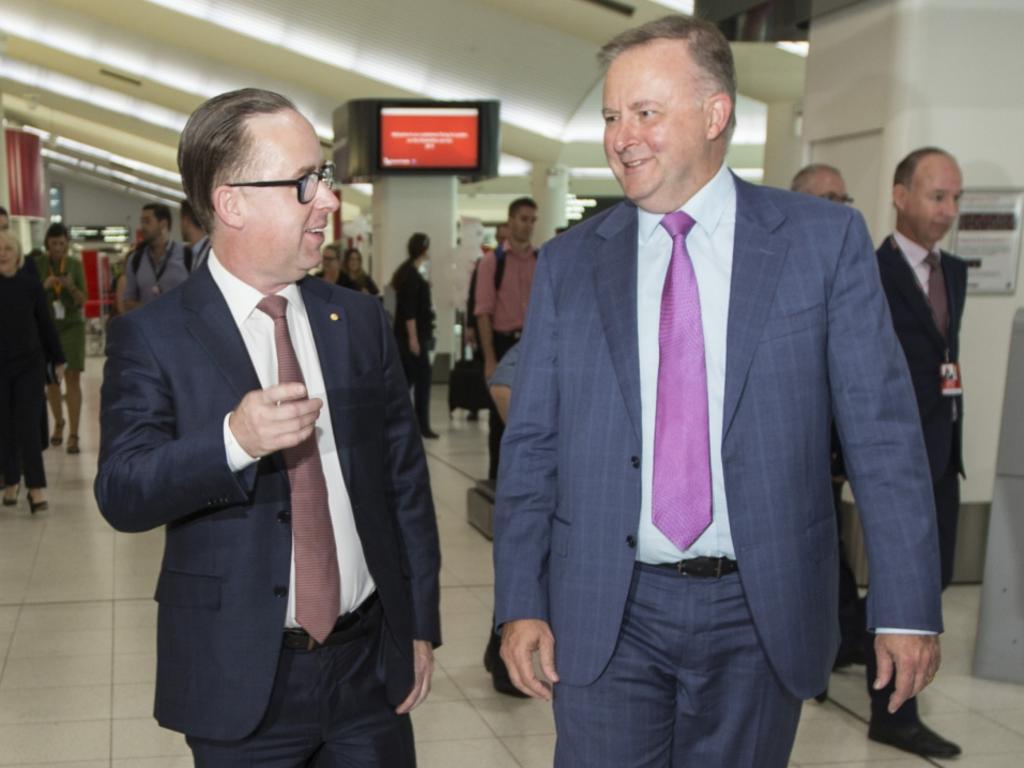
[334, 315]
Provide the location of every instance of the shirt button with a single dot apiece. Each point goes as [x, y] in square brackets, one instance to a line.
[631, 541]
[280, 591]
[635, 462]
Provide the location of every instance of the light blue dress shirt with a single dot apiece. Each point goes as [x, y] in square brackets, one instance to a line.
[710, 245]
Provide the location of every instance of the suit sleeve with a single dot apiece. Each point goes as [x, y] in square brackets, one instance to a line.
[879, 427]
[528, 475]
[149, 475]
[408, 493]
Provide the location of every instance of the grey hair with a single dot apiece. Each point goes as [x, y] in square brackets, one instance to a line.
[803, 177]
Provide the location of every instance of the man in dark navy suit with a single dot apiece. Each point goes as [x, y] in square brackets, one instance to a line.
[262, 417]
[926, 288]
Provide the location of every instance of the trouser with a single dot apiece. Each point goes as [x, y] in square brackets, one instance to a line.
[21, 398]
[503, 342]
[417, 375]
[688, 685]
[328, 709]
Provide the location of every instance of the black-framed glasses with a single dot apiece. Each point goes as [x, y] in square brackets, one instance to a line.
[305, 186]
[837, 198]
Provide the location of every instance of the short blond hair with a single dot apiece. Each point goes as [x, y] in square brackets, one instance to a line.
[8, 238]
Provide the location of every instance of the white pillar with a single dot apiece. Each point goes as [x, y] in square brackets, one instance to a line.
[406, 204]
[549, 188]
[783, 147]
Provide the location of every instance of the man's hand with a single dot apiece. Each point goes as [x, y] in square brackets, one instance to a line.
[490, 366]
[423, 661]
[414, 346]
[519, 640]
[916, 659]
[267, 420]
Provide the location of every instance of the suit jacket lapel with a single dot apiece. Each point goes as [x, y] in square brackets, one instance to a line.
[214, 329]
[758, 257]
[614, 273]
[330, 327]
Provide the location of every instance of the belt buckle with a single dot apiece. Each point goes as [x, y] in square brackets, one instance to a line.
[718, 568]
[310, 643]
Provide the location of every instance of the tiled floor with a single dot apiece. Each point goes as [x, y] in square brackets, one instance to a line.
[77, 644]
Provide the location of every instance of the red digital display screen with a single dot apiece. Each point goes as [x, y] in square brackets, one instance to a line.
[429, 137]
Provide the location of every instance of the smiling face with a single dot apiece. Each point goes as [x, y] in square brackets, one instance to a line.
[927, 208]
[664, 124]
[279, 238]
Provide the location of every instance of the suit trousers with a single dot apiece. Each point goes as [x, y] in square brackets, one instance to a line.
[328, 709]
[417, 375]
[503, 342]
[947, 510]
[687, 685]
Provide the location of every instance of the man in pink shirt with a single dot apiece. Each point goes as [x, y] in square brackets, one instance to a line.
[503, 283]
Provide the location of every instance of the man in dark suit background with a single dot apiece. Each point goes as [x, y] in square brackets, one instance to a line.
[665, 538]
[263, 418]
[926, 288]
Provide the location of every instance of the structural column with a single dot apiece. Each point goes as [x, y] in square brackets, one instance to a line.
[783, 147]
[549, 187]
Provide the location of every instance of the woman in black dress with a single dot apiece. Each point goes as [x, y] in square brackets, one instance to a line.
[28, 341]
[414, 326]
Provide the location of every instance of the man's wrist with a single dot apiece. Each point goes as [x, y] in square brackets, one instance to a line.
[237, 457]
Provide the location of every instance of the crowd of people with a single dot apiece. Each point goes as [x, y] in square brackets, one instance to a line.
[668, 570]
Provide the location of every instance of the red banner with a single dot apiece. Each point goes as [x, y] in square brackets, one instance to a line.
[25, 185]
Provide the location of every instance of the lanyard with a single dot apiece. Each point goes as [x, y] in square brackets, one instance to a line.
[60, 273]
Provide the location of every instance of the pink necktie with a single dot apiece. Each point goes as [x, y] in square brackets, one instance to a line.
[681, 499]
[317, 581]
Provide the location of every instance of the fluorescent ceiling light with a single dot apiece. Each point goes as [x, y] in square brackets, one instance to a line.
[591, 173]
[170, 195]
[510, 165]
[799, 47]
[679, 6]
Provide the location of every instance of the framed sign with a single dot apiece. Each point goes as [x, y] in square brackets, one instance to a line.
[987, 236]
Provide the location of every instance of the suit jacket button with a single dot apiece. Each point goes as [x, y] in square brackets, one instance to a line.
[280, 591]
[284, 517]
[631, 541]
[635, 461]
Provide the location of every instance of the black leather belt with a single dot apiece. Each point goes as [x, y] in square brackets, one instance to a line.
[347, 627]
[509, 334]
[701, 567]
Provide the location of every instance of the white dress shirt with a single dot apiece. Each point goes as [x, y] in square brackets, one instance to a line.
[710, 245]
[915, 255]
[257, 329]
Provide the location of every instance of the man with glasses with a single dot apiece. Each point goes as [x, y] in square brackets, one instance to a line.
[299, 598]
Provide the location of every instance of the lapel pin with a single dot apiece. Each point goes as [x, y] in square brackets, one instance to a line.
[334, 315]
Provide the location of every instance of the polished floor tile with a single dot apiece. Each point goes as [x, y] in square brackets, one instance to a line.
[78, 624]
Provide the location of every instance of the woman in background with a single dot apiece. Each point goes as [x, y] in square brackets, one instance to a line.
[28, 341]
[331, 264]
[414, 326]
[353, 276]
[64, 282]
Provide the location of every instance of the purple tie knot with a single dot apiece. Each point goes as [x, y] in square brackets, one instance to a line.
[273, 305]
[678, 223]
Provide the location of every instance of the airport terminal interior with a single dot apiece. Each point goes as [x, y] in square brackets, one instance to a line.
[94, 94]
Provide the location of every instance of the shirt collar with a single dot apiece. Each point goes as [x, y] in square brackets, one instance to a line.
[241, 297]
[912, 252]
[706, 207]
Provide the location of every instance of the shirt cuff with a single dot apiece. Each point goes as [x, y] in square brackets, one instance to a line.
[891, 631]
[237, 458]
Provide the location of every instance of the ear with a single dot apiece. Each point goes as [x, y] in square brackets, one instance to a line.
[899, 196]
[717, 111]
[228, 206]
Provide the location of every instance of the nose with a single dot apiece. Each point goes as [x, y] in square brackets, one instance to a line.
[618, 136]
[326, 199]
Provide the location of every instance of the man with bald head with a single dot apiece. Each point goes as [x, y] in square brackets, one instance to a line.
[665, 538]
[271, 435]
[926, 289]
[821, 180]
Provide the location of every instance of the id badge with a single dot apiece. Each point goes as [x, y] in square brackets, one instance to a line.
[949, 380]
[58, 310]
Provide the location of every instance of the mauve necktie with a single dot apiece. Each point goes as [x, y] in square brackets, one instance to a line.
[681, 499]
[937, 292]
[317, 581]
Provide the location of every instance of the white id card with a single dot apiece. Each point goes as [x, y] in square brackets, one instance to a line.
[949, 380]
[58, 310]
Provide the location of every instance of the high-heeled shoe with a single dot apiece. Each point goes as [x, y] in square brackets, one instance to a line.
[58, 433]
[10, 499]
[37, 506]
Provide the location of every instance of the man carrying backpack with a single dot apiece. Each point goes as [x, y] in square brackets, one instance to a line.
[158, 264]
[503, 281]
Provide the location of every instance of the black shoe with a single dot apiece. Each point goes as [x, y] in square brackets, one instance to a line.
[848, 655]
[917, 738]
[499, 672]
[473, 416]
[822, 697]
[430, 434]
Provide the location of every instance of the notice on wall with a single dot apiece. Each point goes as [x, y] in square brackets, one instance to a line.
[987, 236]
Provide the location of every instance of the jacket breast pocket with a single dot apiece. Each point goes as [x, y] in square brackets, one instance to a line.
[188, 590]
[776, 327]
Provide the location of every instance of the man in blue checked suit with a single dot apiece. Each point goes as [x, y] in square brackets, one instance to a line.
[665, 538]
